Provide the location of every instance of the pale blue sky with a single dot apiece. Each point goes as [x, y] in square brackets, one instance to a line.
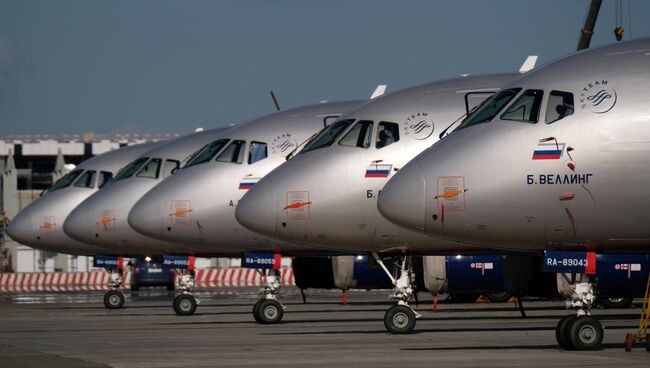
[169, 66]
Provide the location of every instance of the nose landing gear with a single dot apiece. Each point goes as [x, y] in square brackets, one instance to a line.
[268, 310]
[400, 318]
[580, 332]
[185, 303]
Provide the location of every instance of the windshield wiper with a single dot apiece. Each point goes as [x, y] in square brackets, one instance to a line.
[442, 134]
[306, 142]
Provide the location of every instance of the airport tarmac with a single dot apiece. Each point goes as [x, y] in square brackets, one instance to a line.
[74, 330]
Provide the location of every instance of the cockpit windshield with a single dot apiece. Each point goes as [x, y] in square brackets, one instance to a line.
[131, 168]
[327, 136]
[66, 180]
[207, 152]
[489, 108]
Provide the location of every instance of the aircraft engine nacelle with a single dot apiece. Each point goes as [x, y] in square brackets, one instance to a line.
[359, 272]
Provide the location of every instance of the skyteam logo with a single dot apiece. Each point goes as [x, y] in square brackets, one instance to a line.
[283, 143]
[418, 126]
[598, 97]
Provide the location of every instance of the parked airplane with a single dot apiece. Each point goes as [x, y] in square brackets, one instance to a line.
[557, 160]
[40, 224]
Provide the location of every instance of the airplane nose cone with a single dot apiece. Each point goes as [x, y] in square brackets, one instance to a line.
[145, 217]
[21, 228]
[257, 209]
[402, 200]
[77, 226]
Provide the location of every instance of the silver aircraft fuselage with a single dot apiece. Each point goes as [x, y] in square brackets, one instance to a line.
[40, 224]
[325, 196]
[196, 206]
[560, 159]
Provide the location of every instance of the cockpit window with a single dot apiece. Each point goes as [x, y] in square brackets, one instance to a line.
[66, 180]
[206, 153]
[359, 136]
[104, 178]
[170, 167]
[327, 136]
[257, 152]
[489, 108]
[388, 134]
[131, 168]
[525, 108]
[233, 153]
[151, 169]
[87, 180]
[559, 106]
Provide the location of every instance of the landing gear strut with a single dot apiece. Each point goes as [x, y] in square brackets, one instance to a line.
[580, 332]
[400, 318]
[114, 299]
[268, 310]
[185, 303]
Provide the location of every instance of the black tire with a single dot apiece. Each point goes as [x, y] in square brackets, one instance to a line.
[611, 303]
[399, 319]
[184, 304]
[562, 332]
[113, 299]
[135, 287]
[255, 310]
[269, 311]
[499, 296]
[586, 333]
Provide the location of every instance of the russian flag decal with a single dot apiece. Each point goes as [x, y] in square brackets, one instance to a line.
[548, 151]
[248, 183]
[378, 171]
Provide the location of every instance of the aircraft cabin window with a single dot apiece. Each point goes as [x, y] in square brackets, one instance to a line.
[489, 108]
[104, 178]
[526, 107]
[559, 106]
[359, 136]
[87, 180]
[151, 169]
[66, 180]
[131, 168]
[257, 152]
[170, 167]
[388, 133]
[233, 153]
[208, 152]
[327, 136]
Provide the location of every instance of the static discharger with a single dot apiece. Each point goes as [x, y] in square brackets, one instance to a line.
[297, 205]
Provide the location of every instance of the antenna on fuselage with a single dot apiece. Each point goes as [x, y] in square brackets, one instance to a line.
[378, 92]
[528, 64]
[275, 100]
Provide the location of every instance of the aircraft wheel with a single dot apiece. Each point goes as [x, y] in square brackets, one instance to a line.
[184, 304]
[586, 333]
[113, 299]
[268, 312]
[255, 310]
[399, 319]
[562, 332]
